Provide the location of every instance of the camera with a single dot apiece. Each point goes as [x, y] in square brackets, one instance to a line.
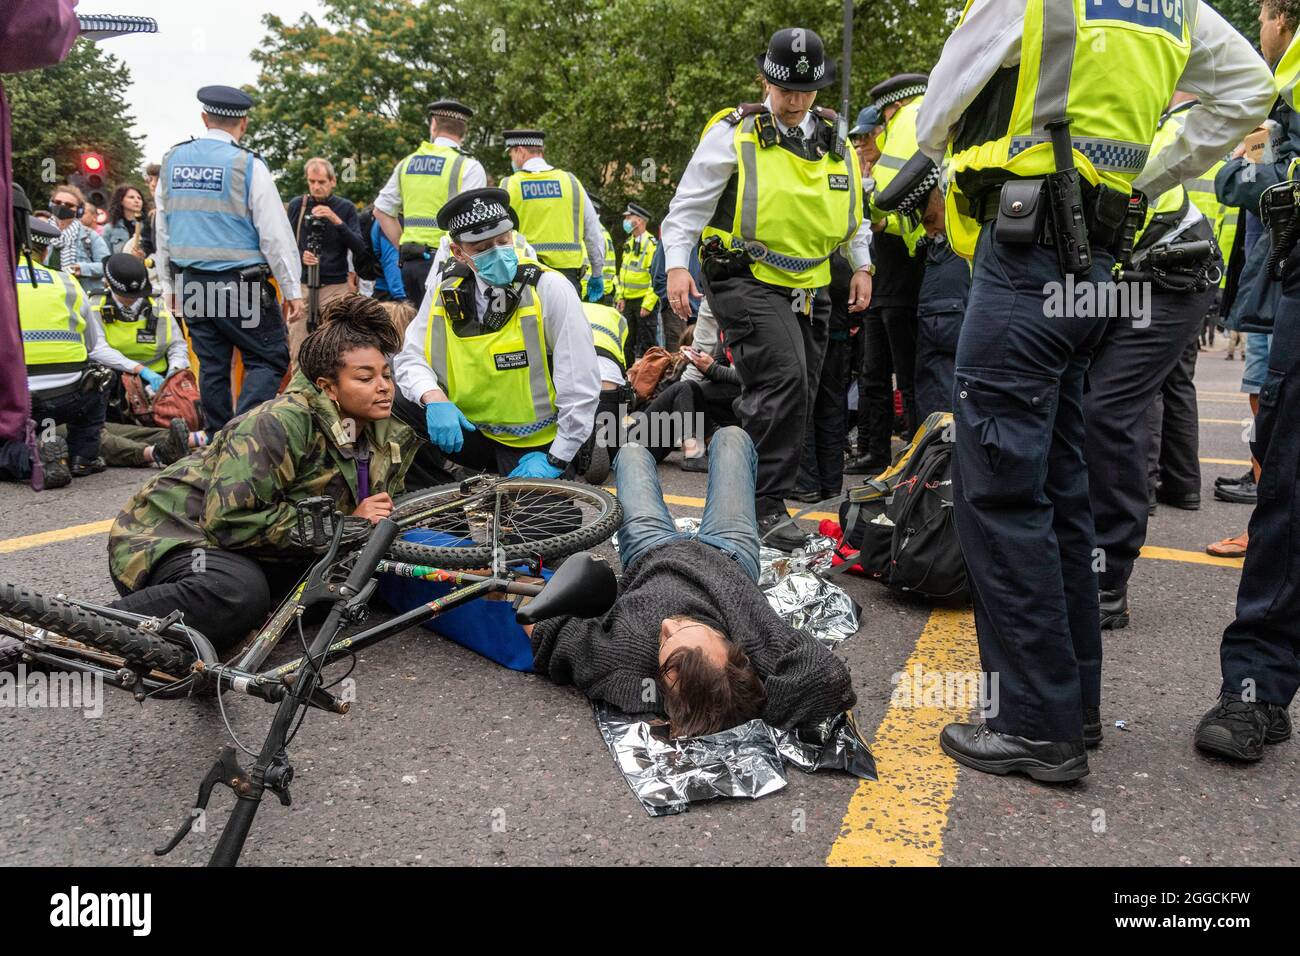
[315, 234]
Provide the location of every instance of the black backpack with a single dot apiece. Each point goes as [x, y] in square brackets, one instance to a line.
[366, 265]
[902, 521]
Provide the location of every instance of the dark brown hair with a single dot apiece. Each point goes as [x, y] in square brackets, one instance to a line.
[352, 322]
[1288, 10]
[450, 126]
[706, 699]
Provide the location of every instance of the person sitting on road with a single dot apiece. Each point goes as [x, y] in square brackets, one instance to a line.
[210, 535]
[691, 635]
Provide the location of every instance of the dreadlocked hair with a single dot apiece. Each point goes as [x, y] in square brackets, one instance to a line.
[352, 322]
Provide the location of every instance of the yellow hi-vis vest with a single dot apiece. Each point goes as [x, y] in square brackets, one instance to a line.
[1109, 67]
[789, 212]
[1288, 72]
[429, 177]
[608, 331]
[500, 380]
[634, 278]
[132, 338]
[54, 333]
[550, 207]
[898, 145]
[1225, 234]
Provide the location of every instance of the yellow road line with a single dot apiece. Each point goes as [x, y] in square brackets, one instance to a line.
[899, 821]
[53, 537]
[1225, 461]
[1190, 557]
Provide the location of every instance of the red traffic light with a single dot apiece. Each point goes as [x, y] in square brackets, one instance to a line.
[92, 163]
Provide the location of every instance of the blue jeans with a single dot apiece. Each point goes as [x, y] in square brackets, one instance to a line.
[730, 523]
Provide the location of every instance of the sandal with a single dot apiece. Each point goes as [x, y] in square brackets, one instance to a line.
[1230, 547]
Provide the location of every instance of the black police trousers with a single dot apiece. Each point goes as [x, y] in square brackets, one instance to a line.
[642, 333]
[415, 274]
[1260, 652]
[888, 349]
[777, 345]
[81, 412]
[1142, 345]
[1174, 460]
[940, 307]
[822, 467]
[1021, 486]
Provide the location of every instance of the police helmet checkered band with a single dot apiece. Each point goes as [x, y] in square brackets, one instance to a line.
[43, 232]
[524, 137]
[225, 101]
[477, 214]
[775, 71]
[911, 203]
[902, 94]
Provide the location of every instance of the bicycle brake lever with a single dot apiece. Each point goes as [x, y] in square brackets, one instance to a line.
[227, 772]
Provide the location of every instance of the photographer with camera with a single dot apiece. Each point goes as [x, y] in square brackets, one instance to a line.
[327, 228]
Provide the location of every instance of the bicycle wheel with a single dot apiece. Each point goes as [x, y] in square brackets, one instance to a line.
[68, 620]
[539, 519]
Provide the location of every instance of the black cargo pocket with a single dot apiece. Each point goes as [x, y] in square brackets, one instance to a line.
[735, 325]
[1004, 432]
[1275, 450]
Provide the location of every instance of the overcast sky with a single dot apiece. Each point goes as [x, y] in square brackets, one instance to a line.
[197, 44]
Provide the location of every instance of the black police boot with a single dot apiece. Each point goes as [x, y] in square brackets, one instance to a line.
[81, 467]
[1185, 501]
[1239, 729]
[1223, 481]
[805, 497]
[773, 533]
[54, 458]
[865, 465]
[176, 446]
[1092, 727]
[981, 747]
[1114, 609]
[1246, 493]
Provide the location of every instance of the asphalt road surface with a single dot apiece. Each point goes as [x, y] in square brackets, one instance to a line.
[447, 758]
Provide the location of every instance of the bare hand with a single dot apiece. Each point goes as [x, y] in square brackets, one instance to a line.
[644, 313]
[310, 258]
[325, 212]
[375, 508]
[681, 289]
[74, 269]
[860, 291]
[293, 311]
[619, 305]
[701, 360]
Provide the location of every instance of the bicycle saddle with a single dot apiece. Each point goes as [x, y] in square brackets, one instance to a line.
[584, 586]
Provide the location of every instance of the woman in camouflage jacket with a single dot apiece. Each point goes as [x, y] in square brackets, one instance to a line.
[210, 534]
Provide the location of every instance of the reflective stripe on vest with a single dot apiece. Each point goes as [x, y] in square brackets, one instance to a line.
[899, 146]
[1109, 67]
[54, 333]
[798, 214]
[429, 177]
[635, 277]
[122, 335]
[501, 381]
[608, 331]
[1287, 72]
[550, 205]
[207, 184]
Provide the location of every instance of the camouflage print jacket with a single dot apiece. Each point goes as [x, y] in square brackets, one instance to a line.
[238, 493]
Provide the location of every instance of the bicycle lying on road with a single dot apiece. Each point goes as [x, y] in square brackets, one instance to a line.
[484, 529]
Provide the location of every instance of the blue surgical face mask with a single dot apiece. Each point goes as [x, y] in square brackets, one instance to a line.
[627, 226]
[497, 266]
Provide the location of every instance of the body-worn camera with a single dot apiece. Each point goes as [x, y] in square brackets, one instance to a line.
[1279, 209]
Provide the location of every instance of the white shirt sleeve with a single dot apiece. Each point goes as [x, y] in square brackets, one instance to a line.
[410, 370]
[860, 246]
[1236, 90]
[274, 234]
[472, 175]
[162, 252]
[697, 195]
[573, 363]
[987, 40]
[595, 236]
[390, 197]
[178, 351]
[97, 343]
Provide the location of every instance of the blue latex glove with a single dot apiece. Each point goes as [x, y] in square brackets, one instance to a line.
[595, 288]
[151, 378]
[447, 426]
[535, 465]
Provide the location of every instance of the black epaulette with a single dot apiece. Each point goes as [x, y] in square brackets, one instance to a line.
[183, 143]
[827, 115]
[740, 112]
[528, 274]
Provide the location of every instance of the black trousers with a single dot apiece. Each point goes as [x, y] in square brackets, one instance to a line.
[822, 467]
[888, 353]
[1174, 459]
[1134, 359]
[777, 348]
[224, 595]
[82, 413]
[224, 313]
[945, 287]
[415, 273]
[479, 453]
[641, 333]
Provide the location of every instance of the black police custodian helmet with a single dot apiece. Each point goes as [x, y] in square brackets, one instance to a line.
[126, 275]
[910, 188]
[900, 87]
[796, 60]
[477, 214]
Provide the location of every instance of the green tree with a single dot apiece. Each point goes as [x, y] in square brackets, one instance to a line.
[65, 110]
[1242, 14]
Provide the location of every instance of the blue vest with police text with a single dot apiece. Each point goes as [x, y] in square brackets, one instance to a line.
[208, 185]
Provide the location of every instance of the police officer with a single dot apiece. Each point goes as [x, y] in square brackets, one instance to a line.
[222, 227]
[1019, 82]
[889, 327]
[637, 300]
[915, 195]
[610, 274]
[499, 368]
[555, 212]
[773, 194]
[139, 325]
[421, 183]
[1260, 652]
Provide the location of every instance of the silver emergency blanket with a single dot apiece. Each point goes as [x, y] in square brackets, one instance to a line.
[667, 775]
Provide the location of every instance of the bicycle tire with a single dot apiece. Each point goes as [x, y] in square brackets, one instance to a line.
[550, 548]
[67, 619]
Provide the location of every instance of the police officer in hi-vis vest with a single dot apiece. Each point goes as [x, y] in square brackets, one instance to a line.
[498, 369]
[555, 212]
[221, 226]
[1050, 108]
[407, 207]
[772, 194]
[138, 324]
[637, 300]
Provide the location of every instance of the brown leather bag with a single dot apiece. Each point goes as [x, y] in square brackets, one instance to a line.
[646, 372]
[178, 398]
